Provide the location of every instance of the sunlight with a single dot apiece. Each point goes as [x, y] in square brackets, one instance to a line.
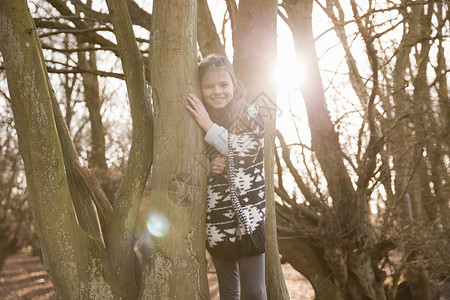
[158, 224]
[289, 72]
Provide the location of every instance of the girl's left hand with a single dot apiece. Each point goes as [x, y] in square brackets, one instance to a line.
[217, 164]
[199, 112]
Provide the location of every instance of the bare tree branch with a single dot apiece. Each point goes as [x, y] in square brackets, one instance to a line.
[76, 70]
[97, 194]
[207, 37]
[81, 24]
[75, 31]
[232, 11]
[307, 193]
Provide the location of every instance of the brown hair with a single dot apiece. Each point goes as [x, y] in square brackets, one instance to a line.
[234, 110]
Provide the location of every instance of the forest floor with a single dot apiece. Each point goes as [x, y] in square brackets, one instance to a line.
[23, 277]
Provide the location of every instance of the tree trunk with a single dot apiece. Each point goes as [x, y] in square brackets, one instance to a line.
[174, 253]
[309, 261]
[349, 264]
[208, 39]
[126, 205]
[402, 140]
[97, 156]
[63, 242]
[93, 103]
[324, 139]
[255, 40]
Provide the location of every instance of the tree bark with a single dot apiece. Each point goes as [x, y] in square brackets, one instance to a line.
[439, 175]
[309, 261]
[402, 140]
[254, 41]
[41, 152]
[324, 139]
[97, 194]
[174, 263]
[208, 39]
[97, 157]
[121, 238]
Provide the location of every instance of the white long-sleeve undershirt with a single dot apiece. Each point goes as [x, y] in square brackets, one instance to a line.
[217, 136]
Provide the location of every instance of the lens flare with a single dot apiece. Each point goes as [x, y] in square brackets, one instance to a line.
[157, 224]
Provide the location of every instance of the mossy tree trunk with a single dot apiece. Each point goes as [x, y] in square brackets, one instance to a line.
[174, 257]
[126, 204]
[72, 243]
[74, 255]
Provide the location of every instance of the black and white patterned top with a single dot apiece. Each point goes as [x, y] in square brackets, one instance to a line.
[236, 200]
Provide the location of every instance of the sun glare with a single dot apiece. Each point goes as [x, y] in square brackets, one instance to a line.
[289, 73]
[158, 224]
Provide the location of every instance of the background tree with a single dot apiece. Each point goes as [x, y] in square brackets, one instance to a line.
[348, 251]
[254, 25]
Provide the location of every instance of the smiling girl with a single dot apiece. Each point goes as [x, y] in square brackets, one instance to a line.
[236, 200]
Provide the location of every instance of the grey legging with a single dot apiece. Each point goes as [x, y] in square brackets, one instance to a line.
[251, 270]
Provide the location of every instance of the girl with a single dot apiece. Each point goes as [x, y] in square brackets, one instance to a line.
[236, 200]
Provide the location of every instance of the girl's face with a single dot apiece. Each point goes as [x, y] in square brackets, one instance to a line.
[217, 89]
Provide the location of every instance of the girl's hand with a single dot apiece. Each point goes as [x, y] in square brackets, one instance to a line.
[217, 165]
[199, 112]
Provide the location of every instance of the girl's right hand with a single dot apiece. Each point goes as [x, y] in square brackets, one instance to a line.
[198, 111]
[217, 164]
